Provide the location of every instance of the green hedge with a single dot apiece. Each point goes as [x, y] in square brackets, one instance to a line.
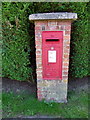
[79, 42]
[18, 37]
[16, 41]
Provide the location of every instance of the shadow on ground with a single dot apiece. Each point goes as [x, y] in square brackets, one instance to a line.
[17, 87]
[30, 88]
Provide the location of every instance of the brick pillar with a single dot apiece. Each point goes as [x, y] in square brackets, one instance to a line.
[52, 89]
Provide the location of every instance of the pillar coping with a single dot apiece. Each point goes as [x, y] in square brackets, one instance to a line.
[53, 16]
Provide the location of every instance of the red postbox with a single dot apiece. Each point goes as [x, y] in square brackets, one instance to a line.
[52, 39]
[52, 54]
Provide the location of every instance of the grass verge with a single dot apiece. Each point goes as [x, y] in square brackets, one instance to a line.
[25, 105]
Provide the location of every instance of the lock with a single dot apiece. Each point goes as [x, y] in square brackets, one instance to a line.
[52, 48]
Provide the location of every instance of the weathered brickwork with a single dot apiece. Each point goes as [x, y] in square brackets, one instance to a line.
[52, 89]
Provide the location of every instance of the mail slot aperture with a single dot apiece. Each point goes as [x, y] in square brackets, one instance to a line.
[52, 40]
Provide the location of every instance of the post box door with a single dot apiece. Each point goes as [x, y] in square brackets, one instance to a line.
[52, 55]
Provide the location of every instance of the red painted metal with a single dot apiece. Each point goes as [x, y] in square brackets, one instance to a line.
[52, 54]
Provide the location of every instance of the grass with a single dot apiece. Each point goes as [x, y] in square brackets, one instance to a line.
[0, 105]
[26, 105]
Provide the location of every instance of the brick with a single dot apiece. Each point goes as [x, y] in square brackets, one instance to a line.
[68, 27]
[37, 42]
[52, 23]
[37, 28]
[65, 77]
[65, 50]
[38, 31]
[67, 32]
[39, 98]
[43, 27]
[66, 55]
[38, 52]
[57, 28]
[66, 81]
[38, 49]
[44, 87]
[39, 91]
[67, 37]
[65, 69]
[64, 22]
[43, 84]
[53, 28]
[66, 64]
[39, 23]
[65, 60]
[39, 70]
[65, 73]
[39, 88]
[39, 77]
[37, 38]
[39, 95]
[38, 34]
[39, 73]
[67, 42]
[39, 60]
[38, 81]
[68, 47]
[39, 65]
[60, 23]
[62, 27]
[38, 46]
[38, 56]
[47, 28]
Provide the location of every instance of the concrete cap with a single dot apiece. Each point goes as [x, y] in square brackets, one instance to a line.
[53, 16]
